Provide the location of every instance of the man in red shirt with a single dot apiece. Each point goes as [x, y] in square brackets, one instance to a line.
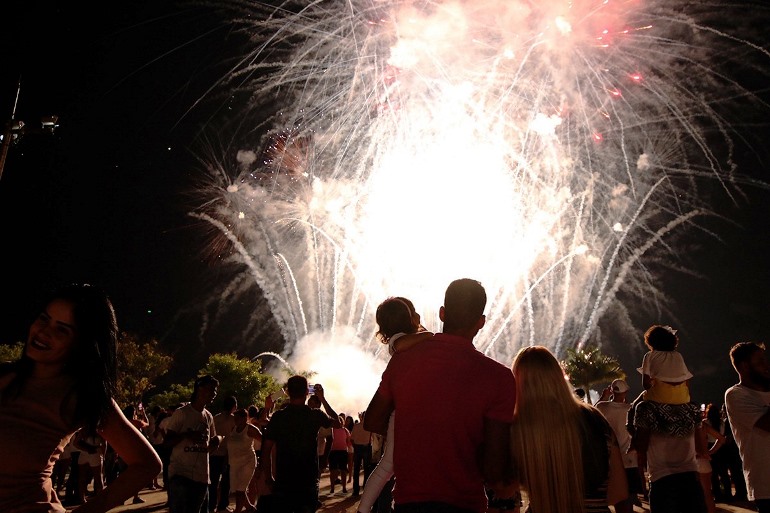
[455, 407]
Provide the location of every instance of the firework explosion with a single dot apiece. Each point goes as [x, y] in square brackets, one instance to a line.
[554, 151]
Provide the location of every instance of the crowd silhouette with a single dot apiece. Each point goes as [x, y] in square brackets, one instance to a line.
[474, 435]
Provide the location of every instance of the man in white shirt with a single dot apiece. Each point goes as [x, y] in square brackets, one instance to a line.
[748, 409]
[192, 435]
[616, 411]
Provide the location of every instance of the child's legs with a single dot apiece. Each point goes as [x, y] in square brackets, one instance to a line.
[381, 474]
[338, 461]
[662, 392]
[98, 473]
[84, 478]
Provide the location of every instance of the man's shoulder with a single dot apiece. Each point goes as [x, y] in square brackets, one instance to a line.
[183, 411]
[224, 420]
[179, 417]
[735, 389]
[743, 393]
[739, 394]
[294, 412]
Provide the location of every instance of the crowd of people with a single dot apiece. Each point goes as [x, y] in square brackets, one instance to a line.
[474, 435]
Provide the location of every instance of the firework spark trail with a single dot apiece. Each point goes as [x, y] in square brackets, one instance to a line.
[544, 148]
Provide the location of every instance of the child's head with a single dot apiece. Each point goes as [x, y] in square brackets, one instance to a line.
[394, 315]
[415, 316]
[661, 338]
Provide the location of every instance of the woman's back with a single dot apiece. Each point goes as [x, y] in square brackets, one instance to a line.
[561, 446]
[596, 442]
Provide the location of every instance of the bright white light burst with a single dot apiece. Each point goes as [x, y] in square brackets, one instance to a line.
[552, 150]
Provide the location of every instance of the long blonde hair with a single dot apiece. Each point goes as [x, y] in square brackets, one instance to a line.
[545, 435]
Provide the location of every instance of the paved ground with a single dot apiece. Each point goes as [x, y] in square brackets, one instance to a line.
[344, 503]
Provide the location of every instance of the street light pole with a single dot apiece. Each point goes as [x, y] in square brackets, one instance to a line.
[7, 133]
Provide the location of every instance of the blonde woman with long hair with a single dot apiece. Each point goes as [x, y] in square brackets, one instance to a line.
[566, 454]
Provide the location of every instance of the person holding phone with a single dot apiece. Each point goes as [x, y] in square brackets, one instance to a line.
[288, 467]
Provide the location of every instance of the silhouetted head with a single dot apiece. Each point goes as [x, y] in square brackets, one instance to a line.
[750, 362]
[661, 338]
[229, 403]
[205, 385]
[296, 387]
[463, 308]
[241, 416]
[314, 402]
[395, 315]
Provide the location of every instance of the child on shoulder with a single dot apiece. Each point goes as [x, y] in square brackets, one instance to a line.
[665, 376]
[399, 327]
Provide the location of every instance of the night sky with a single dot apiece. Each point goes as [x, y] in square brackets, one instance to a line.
[105, 198]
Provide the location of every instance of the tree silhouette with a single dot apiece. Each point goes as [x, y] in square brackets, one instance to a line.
[240, 377]
[140, 364]
[589, 366]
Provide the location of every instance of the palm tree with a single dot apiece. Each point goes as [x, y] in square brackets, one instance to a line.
[589, 366]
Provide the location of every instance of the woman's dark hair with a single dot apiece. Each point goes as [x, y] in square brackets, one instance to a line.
[714, 416]
[92, 362]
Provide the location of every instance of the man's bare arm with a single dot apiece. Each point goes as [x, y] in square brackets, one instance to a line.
[377, 414]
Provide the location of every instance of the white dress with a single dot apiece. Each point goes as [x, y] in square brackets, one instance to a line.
[242, 458]
[665, 366]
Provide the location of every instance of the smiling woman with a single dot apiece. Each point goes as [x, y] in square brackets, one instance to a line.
[64, 381]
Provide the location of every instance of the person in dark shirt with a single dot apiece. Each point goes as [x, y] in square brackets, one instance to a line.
[291, 441]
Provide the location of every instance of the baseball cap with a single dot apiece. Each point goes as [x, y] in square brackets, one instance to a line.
[619, 386]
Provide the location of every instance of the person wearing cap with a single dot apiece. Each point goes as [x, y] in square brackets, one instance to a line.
[614, 407]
